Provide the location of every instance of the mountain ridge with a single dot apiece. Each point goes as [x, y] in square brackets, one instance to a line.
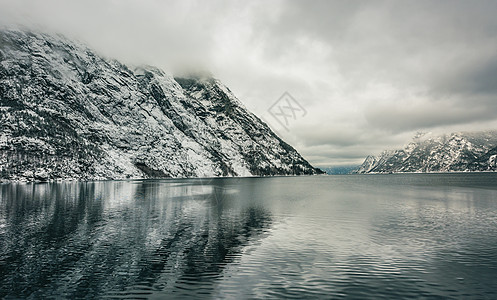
[68, 113]
[455, 152]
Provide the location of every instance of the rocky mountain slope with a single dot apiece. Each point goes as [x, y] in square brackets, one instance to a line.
[67, 113]
[457, 152]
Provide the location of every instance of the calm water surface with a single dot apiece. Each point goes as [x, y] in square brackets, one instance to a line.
[360, 236]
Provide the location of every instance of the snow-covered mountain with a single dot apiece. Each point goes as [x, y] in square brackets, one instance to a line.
[68, 113]
[457, 152]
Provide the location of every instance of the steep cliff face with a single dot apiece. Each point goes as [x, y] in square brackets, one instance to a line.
[457, 152]
[67, 113]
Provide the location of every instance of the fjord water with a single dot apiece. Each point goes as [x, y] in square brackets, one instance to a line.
[419, 235]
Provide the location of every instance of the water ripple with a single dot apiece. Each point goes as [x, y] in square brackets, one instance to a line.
[307, 237]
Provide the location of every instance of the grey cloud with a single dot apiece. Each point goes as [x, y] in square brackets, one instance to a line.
[473, 78]
[400, 117]
[362, 69]
[345, 136]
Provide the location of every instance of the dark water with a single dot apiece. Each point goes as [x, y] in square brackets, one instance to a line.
[327, 237]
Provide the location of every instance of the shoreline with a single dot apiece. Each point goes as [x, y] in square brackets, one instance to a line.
[7, 181]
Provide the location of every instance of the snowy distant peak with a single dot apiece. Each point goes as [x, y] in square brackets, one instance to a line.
[460, 151]
[67, 112]
[368, 164]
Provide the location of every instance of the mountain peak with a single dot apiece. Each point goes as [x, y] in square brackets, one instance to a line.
[68, 113]
[455, 152]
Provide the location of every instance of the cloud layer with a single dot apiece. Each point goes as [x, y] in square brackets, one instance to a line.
[369, 74]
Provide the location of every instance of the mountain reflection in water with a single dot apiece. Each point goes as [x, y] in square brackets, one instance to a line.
[117, 238]
[351, 236]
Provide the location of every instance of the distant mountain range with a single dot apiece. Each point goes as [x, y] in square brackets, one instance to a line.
[456, 152]
[68, 113]
[340, 170]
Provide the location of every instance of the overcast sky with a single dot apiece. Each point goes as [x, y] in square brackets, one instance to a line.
[369, 73]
